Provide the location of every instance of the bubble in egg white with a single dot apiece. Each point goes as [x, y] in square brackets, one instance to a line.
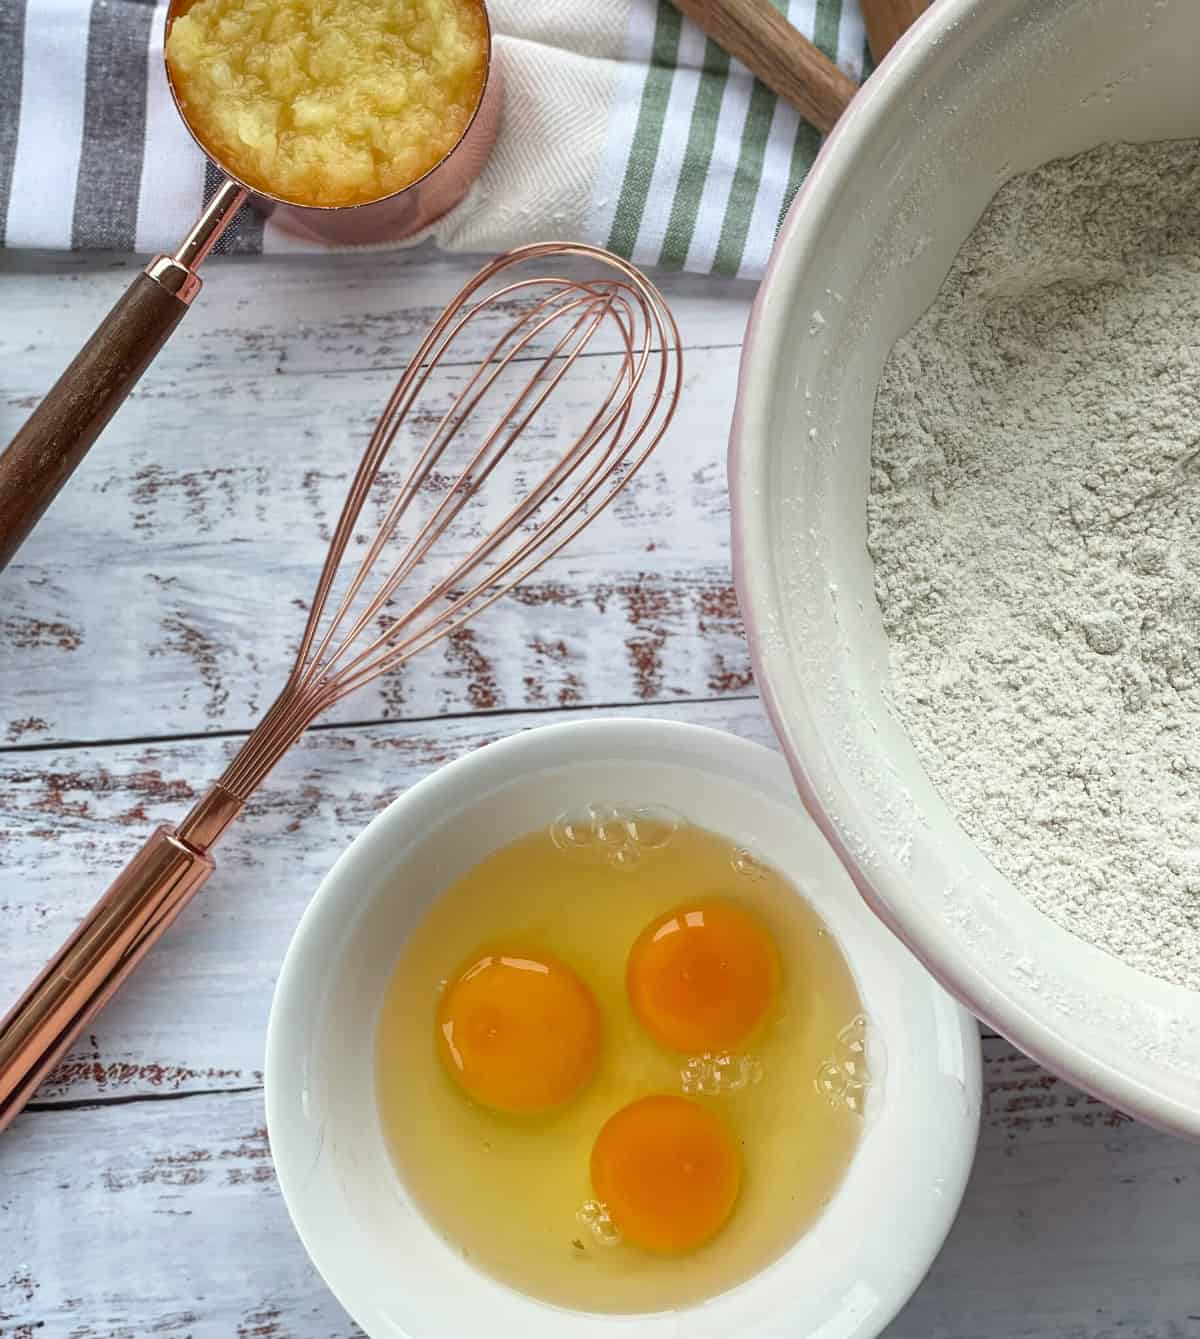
[612, 827]
[653, 825]
[854, 1035]
[594, 1215]
[617, 832]
[624, 857]
[568, 833]
[716, 1074]
[747, 864]
[842, 1080]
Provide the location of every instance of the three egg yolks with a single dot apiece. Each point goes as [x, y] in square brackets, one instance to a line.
[521, 1033]
[702, 977]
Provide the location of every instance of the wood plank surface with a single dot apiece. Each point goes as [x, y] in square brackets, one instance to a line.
[142, 632]
[194, 1016]
[166, 588]
[280, 315]
[164, 1218]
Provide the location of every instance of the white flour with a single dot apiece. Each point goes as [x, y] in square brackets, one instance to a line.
[1034, 518]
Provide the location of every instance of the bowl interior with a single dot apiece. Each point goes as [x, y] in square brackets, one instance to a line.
[981, 90]
[389, 1268]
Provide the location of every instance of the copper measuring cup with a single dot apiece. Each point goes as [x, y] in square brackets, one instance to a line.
[57, 435]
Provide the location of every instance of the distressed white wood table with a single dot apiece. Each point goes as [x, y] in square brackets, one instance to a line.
[143, 629]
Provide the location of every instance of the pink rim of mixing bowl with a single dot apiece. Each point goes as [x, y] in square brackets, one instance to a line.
[901, 73]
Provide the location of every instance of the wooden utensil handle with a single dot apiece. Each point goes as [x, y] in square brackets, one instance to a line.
[56, 437]
[781, 56]
[888, 20]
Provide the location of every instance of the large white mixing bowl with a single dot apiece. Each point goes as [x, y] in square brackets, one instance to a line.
[977, 91]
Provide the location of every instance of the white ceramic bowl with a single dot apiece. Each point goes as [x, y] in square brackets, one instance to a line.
[846, 1277]
[977, 91]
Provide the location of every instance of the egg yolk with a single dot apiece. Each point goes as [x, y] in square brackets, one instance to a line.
[519, 1031]
[667, 1171]
[701, 977]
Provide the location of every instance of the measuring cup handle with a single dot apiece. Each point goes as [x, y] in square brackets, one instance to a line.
[56, 437]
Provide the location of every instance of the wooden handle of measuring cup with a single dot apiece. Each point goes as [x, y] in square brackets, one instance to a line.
[781, 56]
[57, 435]
[73, 986]
[888, 20]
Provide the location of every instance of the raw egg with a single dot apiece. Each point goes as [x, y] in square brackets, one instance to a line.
[702, 976]
[519, 1031]
[620, 1065]
[667, 1170]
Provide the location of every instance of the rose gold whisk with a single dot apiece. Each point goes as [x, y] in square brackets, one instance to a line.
[368, 615]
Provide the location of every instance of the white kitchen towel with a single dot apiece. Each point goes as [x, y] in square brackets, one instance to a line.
[623, 125]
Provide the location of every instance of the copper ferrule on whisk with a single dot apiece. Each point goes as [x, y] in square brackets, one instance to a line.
[139, 905]
[71, 989]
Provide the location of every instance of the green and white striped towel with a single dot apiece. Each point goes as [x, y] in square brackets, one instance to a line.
[623, 126]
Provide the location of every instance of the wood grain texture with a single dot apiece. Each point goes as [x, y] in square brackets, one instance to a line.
[279, 315]
[778, 54]
[165, 1218]
[137, 1196]
[72, 414]
[167, 587]
[887, 21]
[193, 1016]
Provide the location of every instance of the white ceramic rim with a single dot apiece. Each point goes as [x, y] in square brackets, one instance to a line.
[999, 1004]
[866, 1311]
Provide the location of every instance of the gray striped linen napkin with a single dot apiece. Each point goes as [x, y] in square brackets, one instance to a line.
[623, 126]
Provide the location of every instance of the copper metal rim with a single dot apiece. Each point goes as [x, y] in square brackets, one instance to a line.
[390, 217]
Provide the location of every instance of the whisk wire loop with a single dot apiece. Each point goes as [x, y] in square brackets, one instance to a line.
[353, 632]
[473, 476]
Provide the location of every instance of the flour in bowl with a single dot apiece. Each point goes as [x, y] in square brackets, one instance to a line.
[1034, 517]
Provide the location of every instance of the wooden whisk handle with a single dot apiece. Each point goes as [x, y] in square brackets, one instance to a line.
[781, 56]
[888, 20]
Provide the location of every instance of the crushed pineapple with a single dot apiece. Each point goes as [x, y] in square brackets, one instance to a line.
[329, 102]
